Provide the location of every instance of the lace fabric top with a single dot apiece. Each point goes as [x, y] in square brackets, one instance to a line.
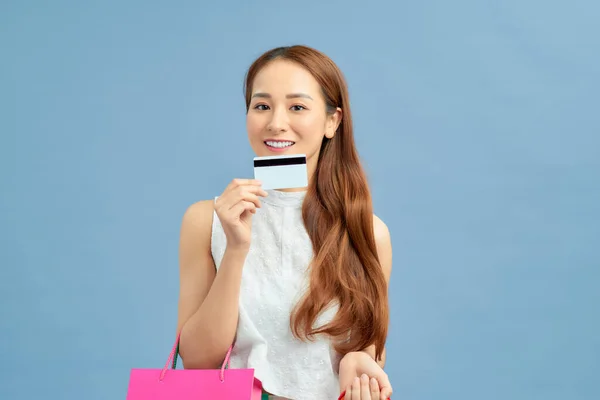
[274, 277]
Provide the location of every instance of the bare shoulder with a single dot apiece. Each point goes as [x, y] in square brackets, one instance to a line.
[381, 230]
[198, 214]
[383, 241]
[195, 235]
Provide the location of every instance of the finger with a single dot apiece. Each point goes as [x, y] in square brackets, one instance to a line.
[356, 389]
[365, 392]
[386, 393]
[256, 189]
[244, 182]
[385, 386]
[236, 185]
[250, 197]
[242, 206]
[375, 393]
[227, 202]
[348, 394]
[384, 381]
[246, 193]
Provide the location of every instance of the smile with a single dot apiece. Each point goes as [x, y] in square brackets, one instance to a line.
[279, 144]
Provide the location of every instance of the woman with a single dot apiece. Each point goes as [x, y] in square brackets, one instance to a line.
[297, 279]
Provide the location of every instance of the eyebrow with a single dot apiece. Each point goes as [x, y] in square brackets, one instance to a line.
[289, 96]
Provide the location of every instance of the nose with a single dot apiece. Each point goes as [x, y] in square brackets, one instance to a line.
[278, 122]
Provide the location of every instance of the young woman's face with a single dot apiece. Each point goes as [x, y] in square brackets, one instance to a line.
[287, 113]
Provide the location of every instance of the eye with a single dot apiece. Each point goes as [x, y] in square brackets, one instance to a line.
[298, 108]
[261, 107]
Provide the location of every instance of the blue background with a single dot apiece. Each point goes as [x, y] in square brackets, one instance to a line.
[478, 123]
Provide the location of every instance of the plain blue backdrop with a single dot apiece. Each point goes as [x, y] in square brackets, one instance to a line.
[478, 123]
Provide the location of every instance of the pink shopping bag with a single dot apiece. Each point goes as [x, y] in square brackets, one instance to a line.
[196, 384]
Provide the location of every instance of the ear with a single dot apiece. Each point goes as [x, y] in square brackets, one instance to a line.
[333, 122]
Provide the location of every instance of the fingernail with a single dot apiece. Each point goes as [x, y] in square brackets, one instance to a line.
[364, 378]
[356, 380]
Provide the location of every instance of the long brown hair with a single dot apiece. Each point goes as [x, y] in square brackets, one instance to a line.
[338, 216]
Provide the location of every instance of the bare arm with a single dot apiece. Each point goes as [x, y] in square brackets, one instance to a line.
[208, 300]
[355, 364]
[384, 250]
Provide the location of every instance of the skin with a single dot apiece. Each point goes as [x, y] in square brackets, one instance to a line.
[362, 364]
[287, 104]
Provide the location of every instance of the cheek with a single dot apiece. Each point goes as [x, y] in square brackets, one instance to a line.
[310, 127]
[254, 125]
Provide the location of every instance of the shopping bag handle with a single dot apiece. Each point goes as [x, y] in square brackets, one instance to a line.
[172, 360]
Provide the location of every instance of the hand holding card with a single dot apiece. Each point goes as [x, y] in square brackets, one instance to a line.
[281, 172]
[235, 207]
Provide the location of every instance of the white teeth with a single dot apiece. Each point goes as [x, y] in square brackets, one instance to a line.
[279, 144]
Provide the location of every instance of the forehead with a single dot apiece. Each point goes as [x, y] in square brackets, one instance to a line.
[282, 76]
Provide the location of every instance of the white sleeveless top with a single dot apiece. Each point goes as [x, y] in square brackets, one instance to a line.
[273, 280]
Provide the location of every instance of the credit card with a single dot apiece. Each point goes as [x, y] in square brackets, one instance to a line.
[281, 172]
